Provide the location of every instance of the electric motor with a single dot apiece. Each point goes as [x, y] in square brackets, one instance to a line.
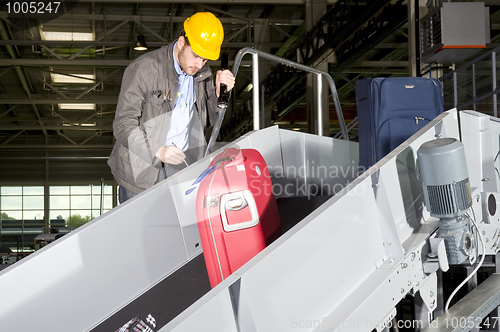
[445, 179]
[445, 182]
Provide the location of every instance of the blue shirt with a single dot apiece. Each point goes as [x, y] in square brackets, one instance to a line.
[183, 110]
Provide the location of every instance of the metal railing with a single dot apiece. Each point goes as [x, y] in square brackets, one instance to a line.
[473, 83]
[319, 75]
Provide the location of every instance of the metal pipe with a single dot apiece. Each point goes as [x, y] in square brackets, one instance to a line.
[302, 67]
[319, 88]
[474, 85]
[102, 196]
[255, 79]
[263, 107]
[455, 90]
[417, 37]
[494, 78]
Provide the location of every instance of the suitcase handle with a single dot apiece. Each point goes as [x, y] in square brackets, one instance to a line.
[246, 199]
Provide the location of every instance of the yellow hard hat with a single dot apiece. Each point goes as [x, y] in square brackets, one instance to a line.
[205, 34]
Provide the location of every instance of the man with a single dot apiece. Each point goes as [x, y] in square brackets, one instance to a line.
[167, 100]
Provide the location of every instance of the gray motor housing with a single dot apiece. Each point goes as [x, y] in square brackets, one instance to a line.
[445, 182]
[445, 178]
[459, 239]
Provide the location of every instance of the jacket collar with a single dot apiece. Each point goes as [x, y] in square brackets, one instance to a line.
[201, 75]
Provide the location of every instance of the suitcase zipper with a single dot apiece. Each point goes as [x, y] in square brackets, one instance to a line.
[415, 118]
[400, 117]
[211, 227]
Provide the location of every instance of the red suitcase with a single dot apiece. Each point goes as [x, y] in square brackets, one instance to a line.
[236, 210]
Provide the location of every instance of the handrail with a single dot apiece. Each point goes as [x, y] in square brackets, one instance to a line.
[255, 81]
[453, 75]
[470, 63]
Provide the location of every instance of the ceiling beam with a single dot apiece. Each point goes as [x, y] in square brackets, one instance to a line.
[93, 100]
[52, 127]
[157, 19]
[102, 43]
[162, 2]
[57, 146]
[65, 62]
[87, 62]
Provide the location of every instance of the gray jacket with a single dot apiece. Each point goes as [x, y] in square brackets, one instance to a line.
[142, 120]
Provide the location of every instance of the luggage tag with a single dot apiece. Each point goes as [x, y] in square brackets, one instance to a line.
[229, 155]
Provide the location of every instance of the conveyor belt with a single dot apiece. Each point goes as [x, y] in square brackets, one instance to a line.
[185, 286]
[190, 282]
[293, 209]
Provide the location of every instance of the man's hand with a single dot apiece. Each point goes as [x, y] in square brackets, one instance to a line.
[170, 155]
[225, 77]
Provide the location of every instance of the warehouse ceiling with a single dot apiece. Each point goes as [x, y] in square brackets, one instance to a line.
[58, 97]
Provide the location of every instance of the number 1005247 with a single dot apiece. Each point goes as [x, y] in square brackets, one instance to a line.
[32, 7]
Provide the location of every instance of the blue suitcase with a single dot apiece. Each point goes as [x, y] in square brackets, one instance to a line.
[390, 110]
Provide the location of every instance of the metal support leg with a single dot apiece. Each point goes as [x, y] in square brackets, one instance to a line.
[255, 78]
[494, 83]
[319, 92]
[455, 90]
[474, 85]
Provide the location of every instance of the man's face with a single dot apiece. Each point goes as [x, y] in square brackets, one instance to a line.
[189, 61]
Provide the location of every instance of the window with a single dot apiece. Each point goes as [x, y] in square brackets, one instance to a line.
[78, 204]
[22, 211]
[21, 216]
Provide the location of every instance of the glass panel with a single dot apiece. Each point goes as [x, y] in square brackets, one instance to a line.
[35, 214]
[81, 190]
[7, 215]
[78, 218]
[57, 223]
[86, 214]
[96, 190]
[96, 202]
[11, 202]
[33, 202]
[59, 190]
[59, 202]
[12, 190]
[108, 202]
[96, 213]
[59, 214]
[81, 202]
[108, 190]
[33, 224]
[33, 191]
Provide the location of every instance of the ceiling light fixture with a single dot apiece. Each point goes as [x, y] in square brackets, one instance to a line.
[77, 106]
[60, 35]
[74, 78]
[140, 44]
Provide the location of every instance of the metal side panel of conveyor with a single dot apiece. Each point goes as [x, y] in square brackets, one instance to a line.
[144, 256]
[344, 267]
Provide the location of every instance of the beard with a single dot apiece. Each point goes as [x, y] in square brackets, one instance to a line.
[183, 63]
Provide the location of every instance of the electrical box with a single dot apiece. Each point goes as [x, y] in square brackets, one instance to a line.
[455, 31]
